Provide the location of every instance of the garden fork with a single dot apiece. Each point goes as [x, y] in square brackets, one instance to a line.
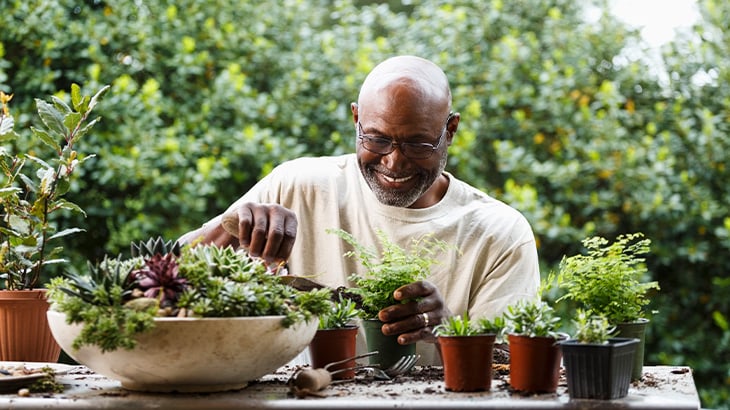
[402, 366]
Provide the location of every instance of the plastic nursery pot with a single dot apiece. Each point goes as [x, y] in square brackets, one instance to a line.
[24, 331]
[388, 348]
[534, 364]
[635, 330]
[467, 362]
[599, 371]
[333, 345]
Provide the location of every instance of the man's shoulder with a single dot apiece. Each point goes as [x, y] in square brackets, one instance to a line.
[317, 164]
[481, 202]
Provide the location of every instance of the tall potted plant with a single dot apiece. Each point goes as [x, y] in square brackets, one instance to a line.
[466, 351]
[30, 200]
[335, 339]
[534, 353]
[597, 366]
[394, 267]
[610, 280]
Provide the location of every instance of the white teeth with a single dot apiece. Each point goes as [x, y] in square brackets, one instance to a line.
[397, 180]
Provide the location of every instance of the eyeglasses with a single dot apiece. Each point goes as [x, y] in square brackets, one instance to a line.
[411, 150]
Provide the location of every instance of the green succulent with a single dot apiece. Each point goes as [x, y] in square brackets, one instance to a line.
[592, 328]
[155, 246]
[533, 318]
[341, 314]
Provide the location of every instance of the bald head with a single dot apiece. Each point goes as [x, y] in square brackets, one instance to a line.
[406, 81]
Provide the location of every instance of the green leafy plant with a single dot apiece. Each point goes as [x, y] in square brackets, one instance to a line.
[592, 328]
[30, 201]
[533, 318]
[393, 268]
[119, 298]
[340, 315]
[609, 279]
[456, 325]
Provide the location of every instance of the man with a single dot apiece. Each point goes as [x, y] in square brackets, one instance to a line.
[395, 183]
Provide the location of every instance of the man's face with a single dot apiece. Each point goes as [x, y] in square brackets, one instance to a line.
[394, 178]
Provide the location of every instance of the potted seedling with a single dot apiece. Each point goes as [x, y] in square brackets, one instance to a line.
[33, 194]
[466, 351]
[597, 366]
[387, 270]
[196, 318]
[610, 280]
[534, 353]
[335, 339]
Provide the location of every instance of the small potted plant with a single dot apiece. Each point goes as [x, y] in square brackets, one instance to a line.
[31, 199]
[596, 365]
[209, 318]
[534, 353]
[466, 351]
[394, 267]
[335, 339]
[610, 280]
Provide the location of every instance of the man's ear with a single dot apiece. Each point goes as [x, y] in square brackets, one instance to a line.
[353, 108]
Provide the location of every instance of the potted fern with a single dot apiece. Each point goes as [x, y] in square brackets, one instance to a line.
[208, 318]
[466, 351]
[610, 280]
[387, 270]
[597, 366]
[335, 339]
[31, 199]
[532, 333]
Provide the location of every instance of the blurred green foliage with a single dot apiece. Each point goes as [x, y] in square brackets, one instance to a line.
[557, 119]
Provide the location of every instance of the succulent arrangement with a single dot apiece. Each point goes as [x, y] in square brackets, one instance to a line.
[118, 298]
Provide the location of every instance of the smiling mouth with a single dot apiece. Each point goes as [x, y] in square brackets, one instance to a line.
[396, 180]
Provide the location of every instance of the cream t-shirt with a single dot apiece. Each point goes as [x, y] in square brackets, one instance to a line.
[496, 263]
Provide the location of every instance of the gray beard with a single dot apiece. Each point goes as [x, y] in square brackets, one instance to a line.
[397, 199]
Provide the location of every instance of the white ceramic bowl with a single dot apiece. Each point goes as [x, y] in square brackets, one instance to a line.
[192, 354]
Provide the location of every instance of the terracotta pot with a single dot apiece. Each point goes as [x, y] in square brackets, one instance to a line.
[635, 330]
[599, 371]
[334, 345]
[467, 362]
[388, 348]
[24, 332]
[534, 363]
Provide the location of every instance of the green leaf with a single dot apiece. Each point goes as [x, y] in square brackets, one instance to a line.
[66, 232]
[76, 97]
[61, 106]
[6, 125]
[97, 96]
[46, 139]
[62, 203]
[72, 120]
[51, 117]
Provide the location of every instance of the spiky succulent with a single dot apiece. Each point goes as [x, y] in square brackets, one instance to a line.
[159, 278]
[155, 246]
[108, 282]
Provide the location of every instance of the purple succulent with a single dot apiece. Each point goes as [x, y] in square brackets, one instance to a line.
[159, 279]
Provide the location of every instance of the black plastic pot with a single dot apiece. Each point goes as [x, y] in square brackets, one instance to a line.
[599, 371]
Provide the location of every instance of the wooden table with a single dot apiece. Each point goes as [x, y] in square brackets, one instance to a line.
[662, 387]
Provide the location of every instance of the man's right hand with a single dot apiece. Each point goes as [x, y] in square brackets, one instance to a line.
[265, 230]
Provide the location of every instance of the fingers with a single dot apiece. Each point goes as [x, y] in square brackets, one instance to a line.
[414, 321]
[266, 230]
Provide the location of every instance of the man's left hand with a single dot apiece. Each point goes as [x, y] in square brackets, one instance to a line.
[414, 321]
